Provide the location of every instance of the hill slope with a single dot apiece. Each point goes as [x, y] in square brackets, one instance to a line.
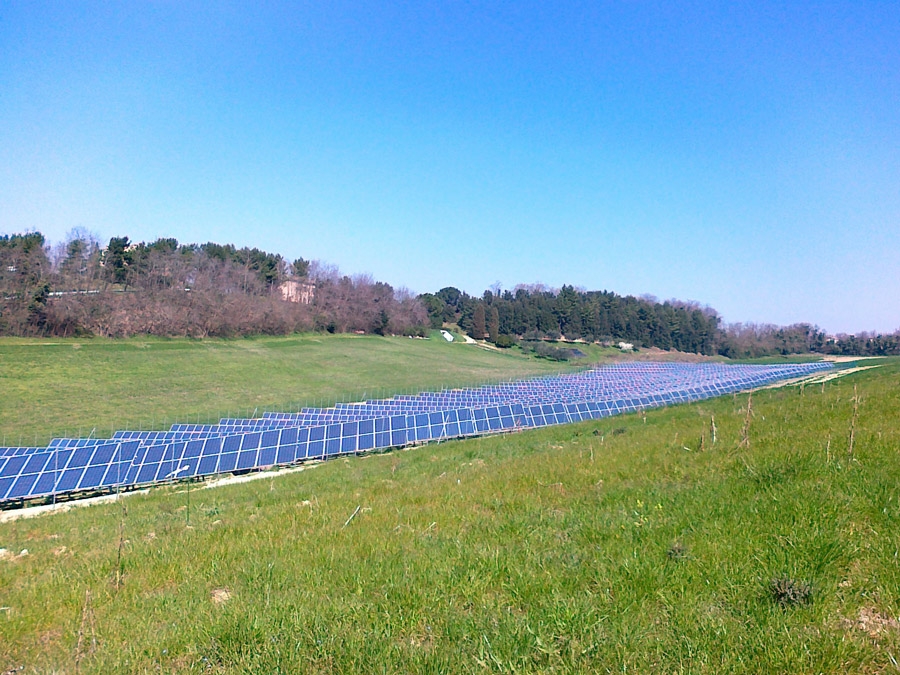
[69, 387]
[627, 543]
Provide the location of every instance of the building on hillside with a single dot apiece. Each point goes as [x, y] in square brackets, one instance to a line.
[299, 291]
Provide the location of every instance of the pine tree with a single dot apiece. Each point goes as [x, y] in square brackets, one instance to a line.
[494, 324]
[478, 327]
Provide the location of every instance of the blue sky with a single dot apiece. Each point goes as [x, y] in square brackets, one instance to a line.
[742, 156]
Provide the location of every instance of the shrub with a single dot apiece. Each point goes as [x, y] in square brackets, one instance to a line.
[545, 351]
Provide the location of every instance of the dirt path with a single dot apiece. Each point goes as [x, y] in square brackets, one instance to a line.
[44, 509]
[848, 359]
[257, 475]
[817, 378]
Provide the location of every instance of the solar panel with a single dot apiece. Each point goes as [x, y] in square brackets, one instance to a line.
[131, 458]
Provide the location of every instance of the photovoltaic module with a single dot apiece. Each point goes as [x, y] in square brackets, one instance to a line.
[69, 466]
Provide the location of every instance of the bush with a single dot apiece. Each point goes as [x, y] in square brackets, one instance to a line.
[545, 351]
[505, 341]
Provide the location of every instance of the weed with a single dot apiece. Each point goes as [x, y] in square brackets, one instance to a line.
[853, 421]
[677, 551]
[789, 592]
[745, 429]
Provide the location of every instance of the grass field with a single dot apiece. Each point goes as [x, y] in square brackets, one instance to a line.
[632, 544]
[73, 387]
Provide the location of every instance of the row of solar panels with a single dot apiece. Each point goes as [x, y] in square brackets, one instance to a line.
[676, 375]
[634, 373]
[382, 408]
[139, 458]
[428, 402]
[97, 464]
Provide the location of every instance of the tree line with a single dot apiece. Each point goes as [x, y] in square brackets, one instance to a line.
[167, 288]
[171, 289]
[535, 313]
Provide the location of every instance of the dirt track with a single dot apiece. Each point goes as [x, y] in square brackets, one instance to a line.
[848, 359]
[818, 378]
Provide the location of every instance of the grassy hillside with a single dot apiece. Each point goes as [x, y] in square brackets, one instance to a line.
[632, 544]
[69, 387]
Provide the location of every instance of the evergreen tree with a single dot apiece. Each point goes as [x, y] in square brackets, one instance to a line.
[494, 324]
[478, 326]
[116, 260]
[435, 308]
[24, 268]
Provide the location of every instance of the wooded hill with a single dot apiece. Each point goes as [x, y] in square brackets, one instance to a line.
[171, 289]
[536, 313]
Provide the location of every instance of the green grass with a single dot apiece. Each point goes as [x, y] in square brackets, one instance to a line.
[617, 545]
[73, 387]
[780, 359]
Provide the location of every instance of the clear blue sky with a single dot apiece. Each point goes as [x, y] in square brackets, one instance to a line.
[743, 155]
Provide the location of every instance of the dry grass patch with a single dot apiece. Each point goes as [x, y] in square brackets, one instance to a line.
[220, 596]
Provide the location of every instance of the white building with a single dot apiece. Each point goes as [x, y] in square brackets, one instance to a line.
[301, 292]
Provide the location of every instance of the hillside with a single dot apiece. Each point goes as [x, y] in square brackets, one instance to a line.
[629, 544]
[70, 387]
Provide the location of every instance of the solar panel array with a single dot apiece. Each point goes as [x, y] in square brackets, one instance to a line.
[68, 466]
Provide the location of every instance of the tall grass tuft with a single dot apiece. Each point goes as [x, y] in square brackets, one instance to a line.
[853, 421]
[88, 623]
[789, 592]
[745, 429]
[121, 546]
